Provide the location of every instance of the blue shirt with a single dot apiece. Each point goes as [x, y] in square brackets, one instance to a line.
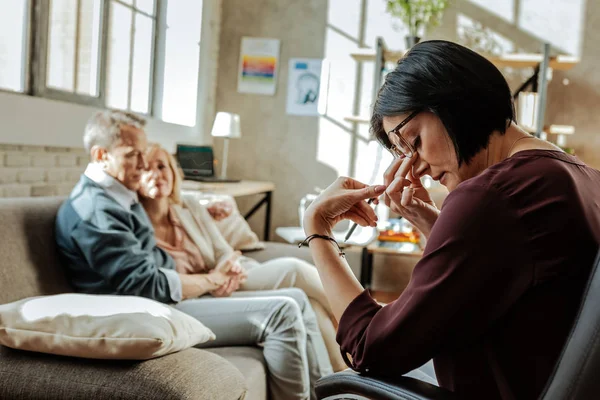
[107, 244]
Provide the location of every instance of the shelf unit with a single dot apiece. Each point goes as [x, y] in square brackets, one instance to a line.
[538, 82]
[517, 60]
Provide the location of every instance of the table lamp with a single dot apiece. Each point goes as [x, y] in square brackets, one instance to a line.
[227, 126]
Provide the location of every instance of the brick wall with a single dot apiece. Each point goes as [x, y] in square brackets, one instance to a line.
[27, 171]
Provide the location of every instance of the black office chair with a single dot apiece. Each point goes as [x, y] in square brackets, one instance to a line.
[575, 376]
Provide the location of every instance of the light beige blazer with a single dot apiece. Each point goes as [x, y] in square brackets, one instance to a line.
[201, 228]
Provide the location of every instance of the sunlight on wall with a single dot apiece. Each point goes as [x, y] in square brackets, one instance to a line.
[342, 76]
[371, 163]
[344, 16]
[559, 22]
[503, 8]
[380, 23]
[481, 39]
[341, 38]
[487, 26]
[333, 147]
[366, 99]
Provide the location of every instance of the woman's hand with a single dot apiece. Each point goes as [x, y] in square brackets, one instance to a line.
[230, 264]
[220, 210]
[228, 287]
[405, 195]
[343, 199]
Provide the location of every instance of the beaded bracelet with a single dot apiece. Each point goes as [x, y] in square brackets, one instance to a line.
[317, 236]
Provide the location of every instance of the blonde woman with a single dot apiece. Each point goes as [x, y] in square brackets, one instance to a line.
[182, 226]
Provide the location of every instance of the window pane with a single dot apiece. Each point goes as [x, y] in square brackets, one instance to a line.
[89, 46]
[12, 44]
[185, 16]
[142, 63]
[182, 58]
[146, 6]
[61, 44]
[119, 42]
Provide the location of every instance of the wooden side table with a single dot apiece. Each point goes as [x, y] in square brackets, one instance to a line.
[368, 252]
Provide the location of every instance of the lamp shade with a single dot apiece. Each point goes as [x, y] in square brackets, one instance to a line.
[226, 125]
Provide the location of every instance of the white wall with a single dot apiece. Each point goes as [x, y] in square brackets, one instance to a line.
[28, 120]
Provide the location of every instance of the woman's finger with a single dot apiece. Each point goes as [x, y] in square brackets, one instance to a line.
[361, 213]
[357, 219]
[239, 269]
[405, 167]
[368, 192]
[416, 182]
[224, 290]
[227, 290]
[386, 199]
[395, 189]
[233, 286]
[407, 197]
[366, 210]
[390, 172]
[219, 291]
[236, 285]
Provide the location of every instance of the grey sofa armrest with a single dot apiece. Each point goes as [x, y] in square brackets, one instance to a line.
[342, 384]
[189, 374]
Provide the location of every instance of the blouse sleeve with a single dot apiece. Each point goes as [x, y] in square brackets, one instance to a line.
[473, 269]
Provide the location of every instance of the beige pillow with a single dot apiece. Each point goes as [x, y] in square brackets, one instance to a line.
[234, 228]
[99, 326]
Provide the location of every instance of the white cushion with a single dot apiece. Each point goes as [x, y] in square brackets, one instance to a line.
[99, 326]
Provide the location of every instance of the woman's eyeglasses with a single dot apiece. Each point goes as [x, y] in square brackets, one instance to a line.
[395, 143]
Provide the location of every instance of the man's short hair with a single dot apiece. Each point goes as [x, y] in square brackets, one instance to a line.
[104, 128]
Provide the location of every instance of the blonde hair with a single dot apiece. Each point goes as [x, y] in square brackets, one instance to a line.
[152, 150]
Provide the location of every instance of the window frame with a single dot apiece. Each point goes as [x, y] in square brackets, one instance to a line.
[40, 24]
[153, 51]
[35, 57]
[27, 50]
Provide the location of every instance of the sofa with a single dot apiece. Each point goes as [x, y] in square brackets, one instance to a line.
[30, 267]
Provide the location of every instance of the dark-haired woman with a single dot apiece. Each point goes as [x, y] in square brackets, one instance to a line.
[497, 290]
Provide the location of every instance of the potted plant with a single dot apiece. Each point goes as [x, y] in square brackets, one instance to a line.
[418, 15]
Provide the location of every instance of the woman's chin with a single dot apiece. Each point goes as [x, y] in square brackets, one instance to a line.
[155, 193]
[151, 193]
[451, 184]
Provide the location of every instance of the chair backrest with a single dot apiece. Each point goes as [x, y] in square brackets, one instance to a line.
[29, 263]
[576, 373]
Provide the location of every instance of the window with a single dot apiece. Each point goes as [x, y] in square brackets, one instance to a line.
[182, 60]
[74, 46]
[13, 44]
[130, 48]
[138, 55]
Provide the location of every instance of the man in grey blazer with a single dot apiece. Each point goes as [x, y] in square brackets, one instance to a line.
[107, 244]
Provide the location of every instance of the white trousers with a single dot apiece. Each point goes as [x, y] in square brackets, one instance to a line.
[288, 272]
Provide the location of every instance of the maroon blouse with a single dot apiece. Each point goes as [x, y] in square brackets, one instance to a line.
[497, 290]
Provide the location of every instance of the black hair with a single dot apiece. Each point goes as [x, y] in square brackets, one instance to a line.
[464, 89]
